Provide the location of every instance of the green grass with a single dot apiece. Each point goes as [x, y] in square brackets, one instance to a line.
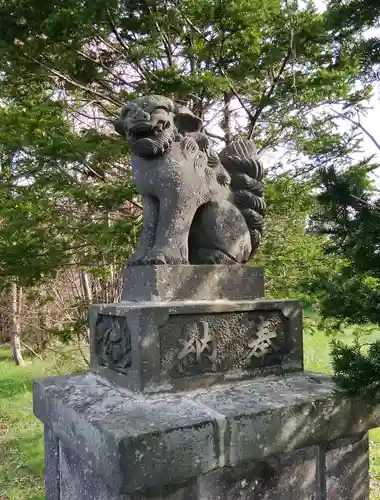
[21, 439]
[21, 434]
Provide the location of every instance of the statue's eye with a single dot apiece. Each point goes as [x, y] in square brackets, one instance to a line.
[163, 108]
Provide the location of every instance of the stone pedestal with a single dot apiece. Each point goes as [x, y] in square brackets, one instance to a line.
[165, 343]
[188, 283]
[165, 346]
[276, 438]
[202, 398]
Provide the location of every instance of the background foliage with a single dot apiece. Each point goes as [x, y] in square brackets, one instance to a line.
[293, 78]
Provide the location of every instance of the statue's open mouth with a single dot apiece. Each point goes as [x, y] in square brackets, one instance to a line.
[147, 130]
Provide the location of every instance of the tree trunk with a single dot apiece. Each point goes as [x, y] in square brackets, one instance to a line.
[87, 295]
[227, 118]
[15, 325]
[86, 285]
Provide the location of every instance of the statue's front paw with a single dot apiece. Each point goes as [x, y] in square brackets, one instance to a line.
[136, 259]
[155, 259]
[165, 256]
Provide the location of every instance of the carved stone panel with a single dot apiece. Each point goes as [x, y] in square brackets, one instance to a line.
[166, 347]
[113, 342]
[211, 343]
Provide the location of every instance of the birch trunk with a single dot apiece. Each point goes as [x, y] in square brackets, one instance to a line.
[16, 298]
[87, 294]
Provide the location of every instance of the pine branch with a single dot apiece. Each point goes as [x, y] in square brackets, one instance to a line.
[98, 61]
[268, 94]
[143, 73]
[362, 128]
[165, 39]
[187, 20]
[70, 80]
[236, 94]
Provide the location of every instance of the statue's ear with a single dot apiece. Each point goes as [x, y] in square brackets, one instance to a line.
[186, 121]
[119, 127]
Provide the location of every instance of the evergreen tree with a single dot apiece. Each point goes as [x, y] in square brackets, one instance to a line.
[349, 213]
[67, 67]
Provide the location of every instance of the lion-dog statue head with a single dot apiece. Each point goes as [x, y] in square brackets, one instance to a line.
[152, 123]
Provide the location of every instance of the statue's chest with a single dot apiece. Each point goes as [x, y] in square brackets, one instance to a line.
[156, 175]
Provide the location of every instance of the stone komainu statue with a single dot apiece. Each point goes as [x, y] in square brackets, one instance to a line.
[199, 207]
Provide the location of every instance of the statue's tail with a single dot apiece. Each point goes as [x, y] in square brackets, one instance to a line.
[242, 163]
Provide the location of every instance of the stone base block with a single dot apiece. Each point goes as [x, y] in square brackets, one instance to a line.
[346, 469]
[298, 476]
[286, 438]
[167, 283]
[167, 346]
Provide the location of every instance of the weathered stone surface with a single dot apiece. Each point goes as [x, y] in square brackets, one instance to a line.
[199, 207]
[168, 346]
[200, 343]
[347, 469]
[291, 477]
[259, 416]
[336, 470]
[80, 482]
[133, 440]
[128, 440]
[167, 283]
[52, 465]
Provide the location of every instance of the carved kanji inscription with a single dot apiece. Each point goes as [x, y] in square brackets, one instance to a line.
[264, 341]
[215, 343]
[198, 343]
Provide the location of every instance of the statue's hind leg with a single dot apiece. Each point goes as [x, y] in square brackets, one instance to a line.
[219, 235]
[210, 256]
